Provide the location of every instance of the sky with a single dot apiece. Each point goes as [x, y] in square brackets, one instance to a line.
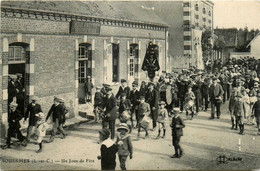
[238, 14]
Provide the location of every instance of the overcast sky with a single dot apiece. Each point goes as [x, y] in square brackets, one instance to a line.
[238, 14]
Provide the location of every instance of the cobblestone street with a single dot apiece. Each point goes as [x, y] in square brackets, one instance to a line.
[203, 142]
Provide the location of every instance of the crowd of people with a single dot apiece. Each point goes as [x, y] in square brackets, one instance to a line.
[191, 90]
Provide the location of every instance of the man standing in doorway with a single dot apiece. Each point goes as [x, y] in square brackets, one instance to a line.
[88, 88]
[20, 94]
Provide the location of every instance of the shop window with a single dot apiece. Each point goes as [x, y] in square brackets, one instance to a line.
[16, 54]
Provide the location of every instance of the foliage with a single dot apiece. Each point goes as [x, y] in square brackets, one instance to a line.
[219, 45]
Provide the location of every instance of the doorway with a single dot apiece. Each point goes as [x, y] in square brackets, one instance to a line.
[85, 70]
[18, 52]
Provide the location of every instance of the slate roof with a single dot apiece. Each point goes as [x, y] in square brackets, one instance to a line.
[105, 9]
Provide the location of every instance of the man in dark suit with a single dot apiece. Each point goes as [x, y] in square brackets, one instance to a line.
[20, 94]
[12, 92]
[110, 112]
[123, 89]
[182, 85]
[135, 100]
[215, 93]
[152, 98]
[32, 109]
[205, 93]
[177, 125]
[14, 116]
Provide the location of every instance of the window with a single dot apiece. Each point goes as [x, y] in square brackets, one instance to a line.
[134, 50]
[197, 24]
[131, 66]
[209, 21]
[204, 19]
[186, 13]
[197, 7]
[209, 13]
[16, 54]
[187, 47]
[204, 26]
[186, 4]
[204, 10]
[186, 22]
[197, 16]
[187, 38]
[115, 62]
[84, 62]
[186, 29]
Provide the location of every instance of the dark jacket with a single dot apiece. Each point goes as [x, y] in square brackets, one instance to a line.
[134, 97]
[126, 90]
[20, 94]
[204, 89]
[124, 105]
[256, 108]
[152, 98]
[142, 91]
[182, 88]
[98, 99]
[57, 112]
[14, 118]
[88, 87]
[32, 110]
[177, 132]
[215, 91]
[111, 108]
[108, 155]
[11, 91]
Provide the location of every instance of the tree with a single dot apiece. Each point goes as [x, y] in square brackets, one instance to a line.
[206, 45]
[219, 45]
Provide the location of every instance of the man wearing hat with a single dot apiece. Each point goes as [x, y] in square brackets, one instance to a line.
[123, 89]
[12, 91]
[182, 90]
[57, 112]
[88, 88]
[14, 116]
[32, 109]
[20, 93]
[152, 98]
[110, 112]
[256, 112]
[134, 97]
[215, 93]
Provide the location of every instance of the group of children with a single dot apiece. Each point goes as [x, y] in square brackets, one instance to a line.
[244, 108]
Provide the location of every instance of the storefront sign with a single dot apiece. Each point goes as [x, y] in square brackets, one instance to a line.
[83, 27]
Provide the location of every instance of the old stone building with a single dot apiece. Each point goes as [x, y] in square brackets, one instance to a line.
[56, 45]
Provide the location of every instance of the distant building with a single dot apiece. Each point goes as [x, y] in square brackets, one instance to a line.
[255, 46]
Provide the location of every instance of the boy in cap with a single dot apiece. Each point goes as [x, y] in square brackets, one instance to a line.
[14, 116]
[124, 144]
[256, 112]
[123, 89]
[177, 125]
[231, 106]
[57, 112]
[124, 109]
[162, 116]
[32, 109]
[134, 97]
[108, 151]
[143, 111]
[41, 126]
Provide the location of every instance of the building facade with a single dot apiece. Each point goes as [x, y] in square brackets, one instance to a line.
[55, 50]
